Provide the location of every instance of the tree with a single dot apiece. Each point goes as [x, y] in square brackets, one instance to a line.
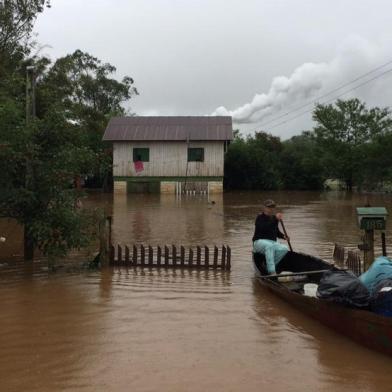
[40, 161]
[83, 85]
[301, 166]
[344, 131]
[17, 18]
[253, 163]
[41, 158]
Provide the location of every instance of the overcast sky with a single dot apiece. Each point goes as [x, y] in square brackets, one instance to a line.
[191, 57]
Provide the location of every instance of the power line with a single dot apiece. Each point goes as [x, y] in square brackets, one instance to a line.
[332, 99]
[327, 93]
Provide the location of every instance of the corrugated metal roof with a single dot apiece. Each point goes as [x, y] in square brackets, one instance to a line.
[143, 128]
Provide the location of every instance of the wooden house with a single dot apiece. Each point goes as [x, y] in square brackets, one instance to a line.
[169, 154]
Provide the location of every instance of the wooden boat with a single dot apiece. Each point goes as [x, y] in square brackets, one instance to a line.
[365, 327]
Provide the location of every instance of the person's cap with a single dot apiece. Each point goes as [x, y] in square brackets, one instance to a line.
[269, 203]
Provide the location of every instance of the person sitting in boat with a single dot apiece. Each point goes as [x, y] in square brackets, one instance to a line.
[266, 234]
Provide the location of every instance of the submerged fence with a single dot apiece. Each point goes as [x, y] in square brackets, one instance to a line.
[352, 262]
[171, 256]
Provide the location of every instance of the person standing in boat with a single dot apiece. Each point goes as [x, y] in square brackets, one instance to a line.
[266, 234]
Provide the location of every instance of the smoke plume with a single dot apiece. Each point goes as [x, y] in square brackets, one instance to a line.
[354, 57]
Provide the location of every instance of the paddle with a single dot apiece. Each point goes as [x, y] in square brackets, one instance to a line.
[285, 233]
[282, 275]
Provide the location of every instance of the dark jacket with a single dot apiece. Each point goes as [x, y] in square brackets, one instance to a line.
[266, 228]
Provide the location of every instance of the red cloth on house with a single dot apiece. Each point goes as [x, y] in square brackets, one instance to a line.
[138, 166]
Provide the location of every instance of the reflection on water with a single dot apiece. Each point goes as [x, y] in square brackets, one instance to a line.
[149, 329]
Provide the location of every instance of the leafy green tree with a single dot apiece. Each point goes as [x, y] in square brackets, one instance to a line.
[378, 158]
[344, 132]
[301, 166]
[41, 158]
[84, 86]
[40, 161]
[17, 18]
[253, 163]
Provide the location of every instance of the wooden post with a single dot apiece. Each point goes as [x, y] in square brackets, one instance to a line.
[142, 255]
[104, 243]
[119, 255]
[338, 253]
[150, 256]
[126, 255]
[198, 256]
[383, 244]
[182, 251]
[223, 263]
[228, 263]
[174, 255]
[166, 255]
[110, 221]
[215, 257]
[368, 254]
[111, 255]
[206, 256]
[159, 255]
[190, 261]
[134, 255]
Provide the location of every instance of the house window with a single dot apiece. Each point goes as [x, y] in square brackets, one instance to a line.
[141, 154]
[195, 154]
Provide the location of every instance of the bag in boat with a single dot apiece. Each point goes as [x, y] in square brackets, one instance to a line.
[381, 301]
[380, 270]
[343, 287]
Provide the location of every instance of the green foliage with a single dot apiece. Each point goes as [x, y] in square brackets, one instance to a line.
[264, 162]
[349, 142]
[40, 162]
[345, 131]
[83, 86]
[249, 163]
[301, 166]
[41, 158]
[17, 18]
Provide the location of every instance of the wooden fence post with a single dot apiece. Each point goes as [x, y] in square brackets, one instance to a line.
[166, 255]
[228, 263]
[142, 255]
[104, 241]
[159, 255]
[215, 257]
[174, 255]
[182, 250]
[126, 255]
[223, 263]
[110, 220]
[119, 255]
[111, 255]
[150, 256]
[134, 255]
[198, 256]
[206, 255]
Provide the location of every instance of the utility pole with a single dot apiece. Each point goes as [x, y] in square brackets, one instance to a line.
[30, 113]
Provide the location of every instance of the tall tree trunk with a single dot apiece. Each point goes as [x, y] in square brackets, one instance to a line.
[28, 245]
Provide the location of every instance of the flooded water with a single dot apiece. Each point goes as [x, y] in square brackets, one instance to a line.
[164, 330]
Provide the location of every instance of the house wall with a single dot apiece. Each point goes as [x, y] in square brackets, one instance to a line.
[169, 159]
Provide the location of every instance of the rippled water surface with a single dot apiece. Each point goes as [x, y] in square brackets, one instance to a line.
[172, 330]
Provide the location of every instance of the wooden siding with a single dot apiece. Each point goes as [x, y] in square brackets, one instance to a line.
[169, 159]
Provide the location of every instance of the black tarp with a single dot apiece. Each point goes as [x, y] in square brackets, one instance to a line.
[343, 287]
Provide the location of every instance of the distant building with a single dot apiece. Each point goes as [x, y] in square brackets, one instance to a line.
[169, 154]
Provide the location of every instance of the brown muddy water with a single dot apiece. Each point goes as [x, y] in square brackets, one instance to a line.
[164, 330]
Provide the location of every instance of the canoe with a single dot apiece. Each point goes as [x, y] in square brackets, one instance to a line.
[369, 329]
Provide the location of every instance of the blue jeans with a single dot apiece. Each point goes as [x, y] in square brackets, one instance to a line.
[273, 252]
